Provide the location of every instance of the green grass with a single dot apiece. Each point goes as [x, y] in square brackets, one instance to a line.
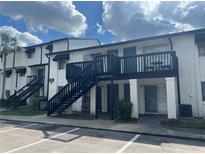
[194, 123]
[23, 111]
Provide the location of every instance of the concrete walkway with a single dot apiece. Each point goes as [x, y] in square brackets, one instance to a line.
[131, 127]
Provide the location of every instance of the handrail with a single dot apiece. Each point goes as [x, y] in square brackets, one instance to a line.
[73, 86]
[68, 84]
[16, 92]
[36, 82]
[35, 77]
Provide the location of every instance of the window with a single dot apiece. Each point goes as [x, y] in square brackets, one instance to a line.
[7, 93]
[127, 92]
[201, 49]
[8, 73]
[61, 65]
[130, 51]
[30, 52]
[30, 55]
[22, 73]
[114, 51]
[203, 90]
[130, 65]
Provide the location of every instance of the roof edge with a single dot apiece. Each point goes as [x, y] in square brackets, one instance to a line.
[133, 40]
[61, 39]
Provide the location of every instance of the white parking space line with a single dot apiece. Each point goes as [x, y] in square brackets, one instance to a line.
[18, 127]
[128, 143]
[40, 141]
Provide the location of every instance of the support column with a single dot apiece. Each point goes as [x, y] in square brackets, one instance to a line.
[121, 90]
[134, 97]
[112, 99]
[171, 87]
[104, 98]
[93, 101]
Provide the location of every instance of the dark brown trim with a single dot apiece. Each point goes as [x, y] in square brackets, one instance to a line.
[36, 65]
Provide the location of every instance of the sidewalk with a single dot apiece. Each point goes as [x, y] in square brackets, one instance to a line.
[137, 127]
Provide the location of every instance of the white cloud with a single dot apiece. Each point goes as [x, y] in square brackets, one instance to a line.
[61, 16]
[23, 38]
[138, 19]
[100, 29]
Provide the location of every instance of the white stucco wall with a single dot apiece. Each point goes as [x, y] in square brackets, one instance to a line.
[191, 72]
[60, 45]
[75, 44]
[9, 60]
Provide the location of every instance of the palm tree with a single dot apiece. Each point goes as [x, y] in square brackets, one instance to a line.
[8, 44]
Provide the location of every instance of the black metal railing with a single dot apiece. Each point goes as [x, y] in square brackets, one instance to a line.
[21, 90]
[144, 63]
[25, 92]
[80, 83]
[109, 64]
[165, 62]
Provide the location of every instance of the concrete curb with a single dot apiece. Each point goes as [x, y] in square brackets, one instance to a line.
[112, 130]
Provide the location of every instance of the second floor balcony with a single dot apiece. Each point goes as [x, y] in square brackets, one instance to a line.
[161, 64]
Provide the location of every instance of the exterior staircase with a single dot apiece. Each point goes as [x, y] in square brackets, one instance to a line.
[19, 97]
[76, 87]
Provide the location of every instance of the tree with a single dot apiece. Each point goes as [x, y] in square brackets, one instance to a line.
[8, 44]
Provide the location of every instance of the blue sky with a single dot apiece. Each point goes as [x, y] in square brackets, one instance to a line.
[37, 22]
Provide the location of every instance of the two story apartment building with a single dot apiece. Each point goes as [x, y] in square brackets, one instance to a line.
[156, 74]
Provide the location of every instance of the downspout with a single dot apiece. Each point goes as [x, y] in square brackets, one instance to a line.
[177, 73]
[3, 73]
[41, 54]
[14, 59]
[171, 44]
[48, 76]
[48, 83]
[67, 44]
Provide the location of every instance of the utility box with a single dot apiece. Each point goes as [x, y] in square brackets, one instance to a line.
[43, 105]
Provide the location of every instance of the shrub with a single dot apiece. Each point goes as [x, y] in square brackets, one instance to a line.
[37, 100]
[124, 109]
[3, 103]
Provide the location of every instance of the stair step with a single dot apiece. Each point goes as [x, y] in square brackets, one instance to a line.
[71, 95]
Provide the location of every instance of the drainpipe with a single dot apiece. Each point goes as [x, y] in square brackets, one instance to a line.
[48, 74]
[171, 44]
[67, 44]
[178, 83]
[41, 54]
[14, 60]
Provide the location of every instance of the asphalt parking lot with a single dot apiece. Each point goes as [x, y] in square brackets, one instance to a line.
[23, 137]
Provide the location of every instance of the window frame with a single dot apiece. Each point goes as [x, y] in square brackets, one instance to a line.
[21, 74]
[127, 91]
[60, 64]
[203, 90]
[201, 46]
